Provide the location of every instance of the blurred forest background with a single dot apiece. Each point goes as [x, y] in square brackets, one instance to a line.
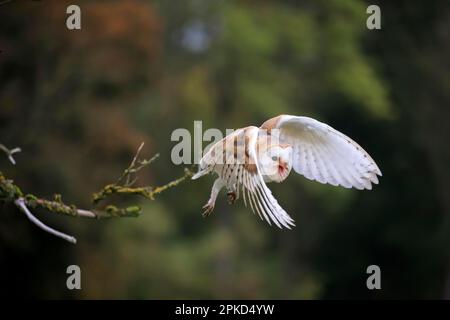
[79, 103]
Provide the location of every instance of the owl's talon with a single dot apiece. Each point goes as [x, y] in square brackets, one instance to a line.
[207, 209]
[231, 197]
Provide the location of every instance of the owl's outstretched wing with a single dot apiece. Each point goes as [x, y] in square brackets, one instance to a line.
[235, 160]
[324, 154]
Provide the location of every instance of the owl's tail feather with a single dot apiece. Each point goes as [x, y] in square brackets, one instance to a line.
[199, 174]
[204, 167]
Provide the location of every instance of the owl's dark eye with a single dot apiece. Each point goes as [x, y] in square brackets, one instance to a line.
[274, 158]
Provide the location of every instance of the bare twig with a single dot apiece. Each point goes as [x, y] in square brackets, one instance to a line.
[126, 173]
[23, 207]
[135, 166]
[9, 153]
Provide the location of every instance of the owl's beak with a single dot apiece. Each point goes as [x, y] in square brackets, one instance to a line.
[282, 167]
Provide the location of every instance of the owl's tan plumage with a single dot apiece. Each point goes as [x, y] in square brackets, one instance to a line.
[249, 157]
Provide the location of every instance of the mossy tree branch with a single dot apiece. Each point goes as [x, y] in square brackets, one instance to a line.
[11, 193]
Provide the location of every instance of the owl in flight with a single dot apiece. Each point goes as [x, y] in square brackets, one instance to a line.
[248, 158]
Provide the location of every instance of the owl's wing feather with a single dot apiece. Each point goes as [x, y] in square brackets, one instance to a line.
[324, 154]
[245, 174]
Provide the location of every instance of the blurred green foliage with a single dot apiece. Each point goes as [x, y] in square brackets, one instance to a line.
[79, 103]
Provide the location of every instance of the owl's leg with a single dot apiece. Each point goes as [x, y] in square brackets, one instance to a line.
[209, 206]
[233, 194]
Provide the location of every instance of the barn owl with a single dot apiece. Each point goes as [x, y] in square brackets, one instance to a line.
[250, 157]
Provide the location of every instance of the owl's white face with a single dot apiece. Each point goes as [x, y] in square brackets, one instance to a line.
[276, 162]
